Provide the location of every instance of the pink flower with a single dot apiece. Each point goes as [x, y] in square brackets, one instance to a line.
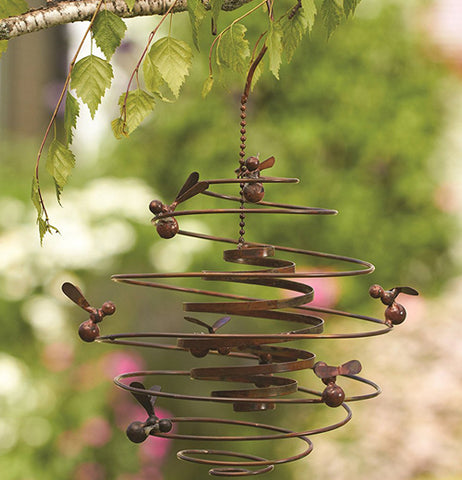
[95, 432]
[58, 356]
[326, 290]
[115, 363]
[90, 471]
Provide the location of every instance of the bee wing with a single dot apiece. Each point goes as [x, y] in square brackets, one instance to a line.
[143, 398]
[268, 163]
[194, 190]
[200, 322]
[75, 294]
[220, 322]
[325, 371]
[350, 368]
[406, 290]
[190, 182]
[152, 399]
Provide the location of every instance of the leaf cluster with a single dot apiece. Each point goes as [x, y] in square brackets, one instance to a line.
[163, 66]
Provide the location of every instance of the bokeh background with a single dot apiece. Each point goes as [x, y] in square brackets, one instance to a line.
[370, 122]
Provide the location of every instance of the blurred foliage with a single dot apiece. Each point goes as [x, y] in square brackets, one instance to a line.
[357, 119]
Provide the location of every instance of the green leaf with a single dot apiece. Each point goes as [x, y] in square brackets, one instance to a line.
[138, 106]
[197, 14]
[215, 7]
[295, 27]
[119, 128]
[332, 14]
[350, 6]
[108, 31]
[208, 84]
[309, 12]
[173, 60]
[233, 49]
[43, 228]
[152, 77]
[43, 223]
[90, 78]
[71, 113]
[8, 8]
[256, 76]
[274, 44]
[130, 4]
[35, 196]
[60, 162]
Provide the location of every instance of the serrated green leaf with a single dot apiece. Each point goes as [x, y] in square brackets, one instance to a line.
[208, 84]
[172, 58]
[274, 44]
[108, 31]
[233, 49]
[309, 12]
[349, 6]
[332, 14]
[130, 4]
[90, 78]
[35, 197]
[8, 8]
[119, 128]
[71, 113]
[256, 76]
[3, 47]
[138, 106]
[197, 14]
[152, 77]
[60, 162]
[215, 7]
[295, 27]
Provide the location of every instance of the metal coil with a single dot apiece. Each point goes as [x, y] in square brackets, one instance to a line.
[265, 383]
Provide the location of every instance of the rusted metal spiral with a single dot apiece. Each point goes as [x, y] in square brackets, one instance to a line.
[267, 363]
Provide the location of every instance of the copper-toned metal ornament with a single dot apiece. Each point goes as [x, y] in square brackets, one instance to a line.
[267, 370]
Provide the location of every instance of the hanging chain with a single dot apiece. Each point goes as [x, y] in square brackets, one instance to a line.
[242, 170]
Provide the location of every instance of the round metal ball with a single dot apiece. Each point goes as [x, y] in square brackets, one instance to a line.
[376, 291]
[151, 421]
[156, 206]
[167, 227]
[333, 395]
[388, 297]
[88, 331]
[165, 425]
[252, 163]
[108, 308]
[136, 433]
[254, 192]
[199, 352]
[395, 314]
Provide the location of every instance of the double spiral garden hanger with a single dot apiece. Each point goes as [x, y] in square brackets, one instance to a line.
[262, 366]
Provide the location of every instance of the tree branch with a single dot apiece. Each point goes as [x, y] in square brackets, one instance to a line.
[62, 12]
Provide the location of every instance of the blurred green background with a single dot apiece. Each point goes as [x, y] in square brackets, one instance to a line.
[368, 121]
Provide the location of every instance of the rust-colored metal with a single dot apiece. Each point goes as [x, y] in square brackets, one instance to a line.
[262, 374]
[266, 379]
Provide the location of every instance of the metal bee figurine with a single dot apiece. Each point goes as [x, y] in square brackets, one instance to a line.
[254, 192]
[138, 432]
[88, 330]
[167, 226]
[263, 361]
[256, 365]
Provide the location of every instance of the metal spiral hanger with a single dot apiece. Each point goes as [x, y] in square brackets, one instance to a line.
[263, 374]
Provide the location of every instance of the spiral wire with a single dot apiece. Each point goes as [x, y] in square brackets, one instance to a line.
[266, 359]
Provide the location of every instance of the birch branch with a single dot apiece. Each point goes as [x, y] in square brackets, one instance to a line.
[62, 12]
